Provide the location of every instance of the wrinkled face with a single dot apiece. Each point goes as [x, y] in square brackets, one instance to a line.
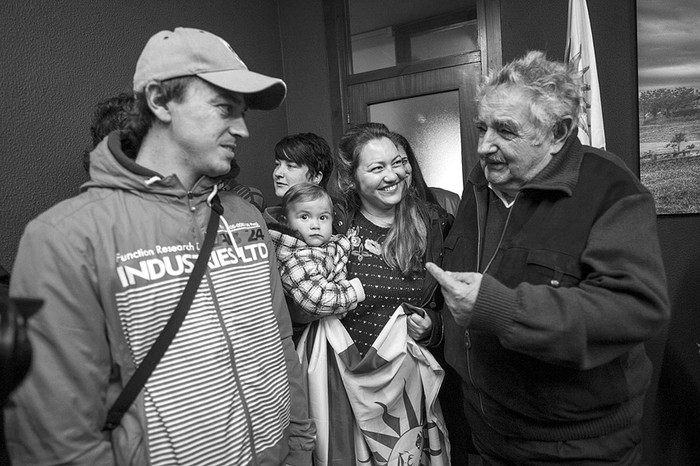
[379, 176]
[205, 127]
[510, 152]
[313, 220]
[286, 174]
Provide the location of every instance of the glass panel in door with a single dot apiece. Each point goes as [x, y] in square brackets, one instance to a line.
[388, 33]
[432, 126]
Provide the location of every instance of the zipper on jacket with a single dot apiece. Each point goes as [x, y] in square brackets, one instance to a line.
[234, 370]
[467, 346]
[192, 208]
[503, 233]
[467, 337]
[478, 230]
[232, 353]
[227, 337]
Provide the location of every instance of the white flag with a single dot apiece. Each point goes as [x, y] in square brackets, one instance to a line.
[579, 42]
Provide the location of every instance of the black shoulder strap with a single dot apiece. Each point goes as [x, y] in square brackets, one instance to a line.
[149, 363]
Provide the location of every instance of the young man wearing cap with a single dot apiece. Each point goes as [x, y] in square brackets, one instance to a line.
[112, 263]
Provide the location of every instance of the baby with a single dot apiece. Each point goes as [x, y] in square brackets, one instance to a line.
[312, 261]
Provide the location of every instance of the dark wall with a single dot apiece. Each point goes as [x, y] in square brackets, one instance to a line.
[673, 422]
[672, 412]
[60, 58]
[306, 67]
[305, 59]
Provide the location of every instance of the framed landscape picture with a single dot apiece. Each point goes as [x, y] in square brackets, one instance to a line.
[668, 48]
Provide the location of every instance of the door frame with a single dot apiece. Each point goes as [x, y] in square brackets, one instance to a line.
[459, 78]
[339, 52]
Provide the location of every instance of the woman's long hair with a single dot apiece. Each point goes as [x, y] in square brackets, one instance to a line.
[406, 242]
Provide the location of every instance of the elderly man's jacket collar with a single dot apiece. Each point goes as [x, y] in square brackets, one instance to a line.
[561, 174]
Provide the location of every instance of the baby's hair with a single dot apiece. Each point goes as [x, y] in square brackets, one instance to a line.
[304, 192]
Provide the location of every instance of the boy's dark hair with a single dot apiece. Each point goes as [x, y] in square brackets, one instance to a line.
[307, 149]
[109, 115]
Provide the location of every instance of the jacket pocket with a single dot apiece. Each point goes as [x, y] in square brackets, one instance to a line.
[553, 268]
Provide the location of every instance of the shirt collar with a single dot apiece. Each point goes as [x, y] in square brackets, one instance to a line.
[506, 199]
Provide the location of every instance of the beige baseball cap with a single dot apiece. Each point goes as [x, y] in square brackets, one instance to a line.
[188, 52]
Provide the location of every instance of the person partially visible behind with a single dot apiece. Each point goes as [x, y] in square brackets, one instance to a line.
[450, 390]
[442, 197]
[112, 114]
[313, 261]
[112, 263]
[109, 115]
[249, 193]
[555, 280]
[446, 199]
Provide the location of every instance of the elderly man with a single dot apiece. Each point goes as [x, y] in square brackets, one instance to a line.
[553, 281]
[112, 263]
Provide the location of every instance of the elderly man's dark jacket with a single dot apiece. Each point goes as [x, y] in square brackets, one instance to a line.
[554, 349]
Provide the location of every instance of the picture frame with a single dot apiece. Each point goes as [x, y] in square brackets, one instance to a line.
[668, 70]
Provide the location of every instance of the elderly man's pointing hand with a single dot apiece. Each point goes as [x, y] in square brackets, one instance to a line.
[460, 290]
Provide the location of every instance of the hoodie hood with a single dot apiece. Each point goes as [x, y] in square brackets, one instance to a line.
[111, 167]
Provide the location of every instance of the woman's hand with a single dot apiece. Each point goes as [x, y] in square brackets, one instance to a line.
[418, 326]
